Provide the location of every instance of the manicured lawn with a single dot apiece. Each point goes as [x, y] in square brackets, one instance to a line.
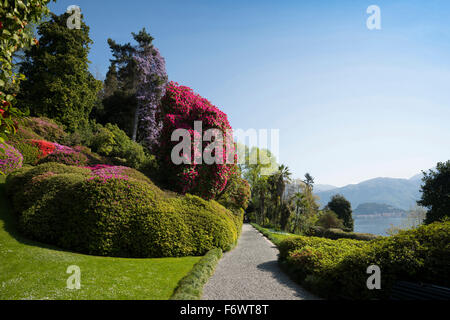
[31, 270]
[275, 236]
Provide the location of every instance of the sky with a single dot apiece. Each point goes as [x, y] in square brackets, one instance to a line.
[350, 103]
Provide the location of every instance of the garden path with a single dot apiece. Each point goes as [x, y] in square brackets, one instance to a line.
[250, 272]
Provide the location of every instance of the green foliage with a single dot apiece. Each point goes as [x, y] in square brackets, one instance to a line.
[14, 17]
[333, 233]
[127, 217]
[343, 209]
[29, 152]
[59, 84]
[436, 192]
[329, 219]
[336, 268]
[191, 286]
[68, 158]
[236, 195]
[45, 128]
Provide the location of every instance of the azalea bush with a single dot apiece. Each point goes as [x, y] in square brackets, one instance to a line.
[116, 211]
[10, 158]
[180, 108]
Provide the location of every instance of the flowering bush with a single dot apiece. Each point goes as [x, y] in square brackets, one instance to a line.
[71, 157]
[180, 107]
[10, 158]
[65, 206]
[45, 147]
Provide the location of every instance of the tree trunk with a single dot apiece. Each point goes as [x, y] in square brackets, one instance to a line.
[135, 124]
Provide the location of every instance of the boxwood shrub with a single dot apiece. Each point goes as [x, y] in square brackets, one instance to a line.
[123, 215]
[338, 268]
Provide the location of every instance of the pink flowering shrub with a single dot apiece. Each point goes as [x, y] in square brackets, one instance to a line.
[65, 155]
[180, 107]
[10, 158]
[113, 211]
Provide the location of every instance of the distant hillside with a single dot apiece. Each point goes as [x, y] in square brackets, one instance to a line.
[376, 208]
[323, 187]
[400, 193]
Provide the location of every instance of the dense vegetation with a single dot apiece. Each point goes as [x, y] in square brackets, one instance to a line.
[337, 268]
[116, 211]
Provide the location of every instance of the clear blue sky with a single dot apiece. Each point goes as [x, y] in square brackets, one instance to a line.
[350, 103]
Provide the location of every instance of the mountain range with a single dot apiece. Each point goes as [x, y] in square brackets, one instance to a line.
[399, 193]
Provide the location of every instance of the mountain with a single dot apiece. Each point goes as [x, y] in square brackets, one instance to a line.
[376, 208]
[400, 193]
[323, 187]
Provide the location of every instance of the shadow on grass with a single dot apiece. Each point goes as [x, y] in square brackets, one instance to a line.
[11, 223]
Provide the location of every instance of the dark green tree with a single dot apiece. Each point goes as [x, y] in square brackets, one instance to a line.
[436, 192]
[343, 208]
[59, 84]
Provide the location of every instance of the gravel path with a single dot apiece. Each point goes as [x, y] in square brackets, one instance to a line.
[250, 272]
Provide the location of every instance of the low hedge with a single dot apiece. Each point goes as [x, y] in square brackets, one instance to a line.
[116, 212]
[337, 268]
[334, 234]
[191, 286]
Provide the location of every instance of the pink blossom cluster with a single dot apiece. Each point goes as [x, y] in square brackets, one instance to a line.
[105, 172]
[180, 108]
[10, 158]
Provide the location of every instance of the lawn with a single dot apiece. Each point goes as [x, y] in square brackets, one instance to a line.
[275, 236]
[31, 270]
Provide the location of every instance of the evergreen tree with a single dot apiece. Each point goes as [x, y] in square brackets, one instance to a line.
[343, 208]
[436, 193]
[59, 84]
[133, 87]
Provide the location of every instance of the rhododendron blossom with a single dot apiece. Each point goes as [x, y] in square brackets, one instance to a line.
[180, 109]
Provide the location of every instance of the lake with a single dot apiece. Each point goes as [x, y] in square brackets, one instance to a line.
[377, 224]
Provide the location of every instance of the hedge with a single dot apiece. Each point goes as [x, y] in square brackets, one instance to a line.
[191, 286]
[116, 211]
[337, 268]
[334, 233]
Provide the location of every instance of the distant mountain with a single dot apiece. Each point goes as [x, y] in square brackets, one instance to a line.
[400, 193]
[376, 208]
[323, 187]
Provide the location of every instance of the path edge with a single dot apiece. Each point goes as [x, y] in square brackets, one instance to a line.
[191, 286]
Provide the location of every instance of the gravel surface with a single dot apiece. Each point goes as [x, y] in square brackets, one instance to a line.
[250, 272]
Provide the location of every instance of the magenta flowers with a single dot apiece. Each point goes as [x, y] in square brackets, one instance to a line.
[180, 108]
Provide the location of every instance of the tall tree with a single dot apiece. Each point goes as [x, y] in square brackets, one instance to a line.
[343, 208]
[436, 192]
[59, 84]
[152, 79]
[133, 87]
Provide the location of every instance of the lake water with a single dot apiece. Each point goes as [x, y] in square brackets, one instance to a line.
[377, 224]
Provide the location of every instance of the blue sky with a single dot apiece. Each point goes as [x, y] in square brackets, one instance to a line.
[350, 103]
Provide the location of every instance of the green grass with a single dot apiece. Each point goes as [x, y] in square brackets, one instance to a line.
[31, 270]
[275, 236]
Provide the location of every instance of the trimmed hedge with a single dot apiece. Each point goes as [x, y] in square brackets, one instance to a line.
[191, 286]
[116, 212]
[337, 268]
[334, 234]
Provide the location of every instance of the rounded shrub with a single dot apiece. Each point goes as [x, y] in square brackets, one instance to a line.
[71, 158]
[116, 211]
[29, 152]
[10, 158]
